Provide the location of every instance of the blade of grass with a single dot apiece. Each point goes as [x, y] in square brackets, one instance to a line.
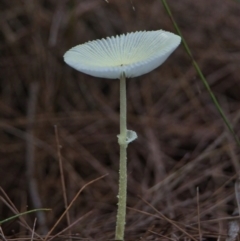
[24, 213]
[214, 99]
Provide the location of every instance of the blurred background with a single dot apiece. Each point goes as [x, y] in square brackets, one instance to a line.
[182, 142]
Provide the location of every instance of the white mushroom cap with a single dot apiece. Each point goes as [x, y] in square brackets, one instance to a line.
[134, 54]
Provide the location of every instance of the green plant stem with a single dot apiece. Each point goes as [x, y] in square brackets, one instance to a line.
[122, 140]
[214, 99]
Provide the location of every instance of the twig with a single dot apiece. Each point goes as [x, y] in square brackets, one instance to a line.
[7, 201]
[70, 226]
[30, 158]
[169, 220]
[202, 77]
[34, 225]
[233, 225]
[62, 177]
[237, 194]
[198, 211]
[2, 235]
[71, 203]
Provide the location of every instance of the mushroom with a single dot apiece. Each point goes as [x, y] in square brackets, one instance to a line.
[120, 57]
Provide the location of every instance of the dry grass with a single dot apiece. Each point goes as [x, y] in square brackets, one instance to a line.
[183, 143]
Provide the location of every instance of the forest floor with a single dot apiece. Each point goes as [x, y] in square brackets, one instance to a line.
[182, 169]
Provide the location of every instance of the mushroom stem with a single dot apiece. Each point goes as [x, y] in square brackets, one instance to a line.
[122, 140]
